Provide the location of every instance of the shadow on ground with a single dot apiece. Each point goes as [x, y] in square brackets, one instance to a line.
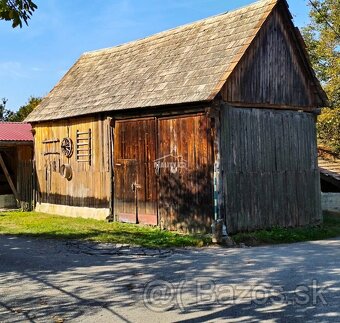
[44, 280]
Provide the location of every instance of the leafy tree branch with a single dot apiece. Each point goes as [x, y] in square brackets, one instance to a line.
[17, 11]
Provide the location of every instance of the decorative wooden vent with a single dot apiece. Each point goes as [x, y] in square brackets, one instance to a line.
[83, 147]
[51, 150]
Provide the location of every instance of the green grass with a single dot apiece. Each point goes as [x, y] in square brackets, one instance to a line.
[330, 228]
[52, 226]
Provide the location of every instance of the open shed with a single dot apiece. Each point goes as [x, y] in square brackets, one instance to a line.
[16, 173]
[211, 120]
[329, 166]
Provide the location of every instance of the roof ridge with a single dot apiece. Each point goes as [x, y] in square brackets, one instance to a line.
[179, 28]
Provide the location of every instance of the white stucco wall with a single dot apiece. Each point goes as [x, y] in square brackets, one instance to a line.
[330, 201]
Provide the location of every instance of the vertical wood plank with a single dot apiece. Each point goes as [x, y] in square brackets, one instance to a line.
[270, 174]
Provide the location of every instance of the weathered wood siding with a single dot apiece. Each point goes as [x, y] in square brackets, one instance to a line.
[272, 71]
[269, 166]
[135, 179]
[185, 155]
[25, 176]
[90, 182]
[171, 161]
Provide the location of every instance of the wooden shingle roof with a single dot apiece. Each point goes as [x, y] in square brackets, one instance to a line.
[186, 64]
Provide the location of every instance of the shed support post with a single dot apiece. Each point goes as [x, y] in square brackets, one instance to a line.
[218, 228]
[9, 180]
[110, 134]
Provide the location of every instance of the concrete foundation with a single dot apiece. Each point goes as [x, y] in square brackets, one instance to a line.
[73, 211]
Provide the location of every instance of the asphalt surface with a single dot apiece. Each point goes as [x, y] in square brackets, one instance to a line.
[59, 281]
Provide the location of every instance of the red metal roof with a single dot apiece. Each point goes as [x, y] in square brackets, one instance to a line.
[15, 131]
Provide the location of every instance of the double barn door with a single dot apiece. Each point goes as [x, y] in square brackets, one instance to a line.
[163, 172]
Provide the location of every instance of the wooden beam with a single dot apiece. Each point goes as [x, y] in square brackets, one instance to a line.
[10, 182]
[272, 106]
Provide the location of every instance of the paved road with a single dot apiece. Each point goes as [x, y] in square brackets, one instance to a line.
[55, 281]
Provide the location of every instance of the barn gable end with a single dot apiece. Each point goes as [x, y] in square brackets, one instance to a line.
[274, 71]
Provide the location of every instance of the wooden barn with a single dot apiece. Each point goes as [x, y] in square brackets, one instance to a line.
[211, 120]
[16, 168]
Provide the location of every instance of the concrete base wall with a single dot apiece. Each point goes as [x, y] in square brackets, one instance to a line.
[7, 201]
[73, 211]
[330, 201]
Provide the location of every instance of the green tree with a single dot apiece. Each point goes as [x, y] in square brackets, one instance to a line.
[329, 129]
[5, 114]
[322, 37]
[17, 11]
[25, 110]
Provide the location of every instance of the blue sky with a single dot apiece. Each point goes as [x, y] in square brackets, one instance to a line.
[33, 59]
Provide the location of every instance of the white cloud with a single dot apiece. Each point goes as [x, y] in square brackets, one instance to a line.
[12, 69]
[36, 69]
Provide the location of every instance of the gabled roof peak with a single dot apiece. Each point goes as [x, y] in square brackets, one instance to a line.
[186, 64]
[179, 28]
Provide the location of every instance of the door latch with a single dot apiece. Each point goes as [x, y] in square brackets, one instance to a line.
[135, 186]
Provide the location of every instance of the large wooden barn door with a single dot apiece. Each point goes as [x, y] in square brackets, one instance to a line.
[185, 168]
[135, 179]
